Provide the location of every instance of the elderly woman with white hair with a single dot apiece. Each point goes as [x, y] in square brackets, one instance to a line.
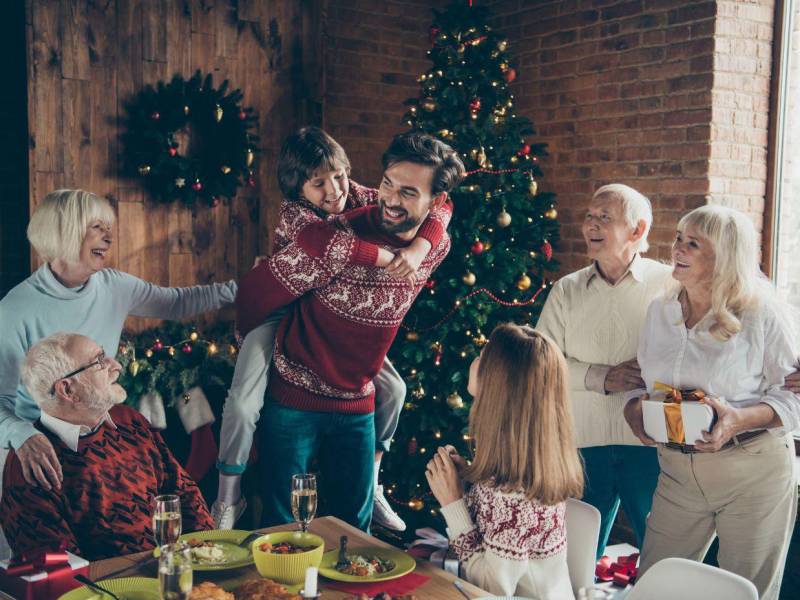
[723, 331]
[71, 230]
[595, 315]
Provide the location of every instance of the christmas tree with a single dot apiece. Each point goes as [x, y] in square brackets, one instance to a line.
[501, 232]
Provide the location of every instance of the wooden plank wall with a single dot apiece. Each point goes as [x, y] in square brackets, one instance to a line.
[87, 57]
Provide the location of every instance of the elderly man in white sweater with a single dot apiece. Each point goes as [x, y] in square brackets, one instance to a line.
[595, 315]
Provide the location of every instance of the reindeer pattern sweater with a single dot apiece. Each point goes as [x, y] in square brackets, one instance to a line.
[104, 506]
[333, 340]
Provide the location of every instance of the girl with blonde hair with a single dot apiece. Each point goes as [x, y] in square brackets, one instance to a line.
[723, 331]
[508, 530]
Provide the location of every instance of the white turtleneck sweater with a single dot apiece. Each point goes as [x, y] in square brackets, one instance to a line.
[597, 326]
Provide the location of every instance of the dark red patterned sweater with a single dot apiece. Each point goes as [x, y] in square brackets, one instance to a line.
[333, 340]
[104, 507]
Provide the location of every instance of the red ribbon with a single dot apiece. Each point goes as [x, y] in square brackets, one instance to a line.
[40, 560]
[622, 572]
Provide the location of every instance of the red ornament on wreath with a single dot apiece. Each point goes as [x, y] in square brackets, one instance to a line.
[187, 349]
[547, 250]
[197, 186]
[477, 247]
[430, 284]
[510, 75]
[158, 345]
[525, 150]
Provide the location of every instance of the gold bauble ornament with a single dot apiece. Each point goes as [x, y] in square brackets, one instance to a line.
[514, 160]
[249, 157]
[524, 282]
[225, 169]
[418, 393]
[504, 219]
[533, 187]
[551, 213]
[502, 45]
[148, 353]
[480, 340]
[193, 336]
[144, 170]
[455, 401]
[171, 351]
[212, 348]
[412, 336]
[416, 504]
[429, 104]
[504, 67]
[218, 112]
[133, 368]
[469, 278]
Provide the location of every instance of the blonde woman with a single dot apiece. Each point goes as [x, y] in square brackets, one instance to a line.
[724, 332]
[508, 530]
[71, 230]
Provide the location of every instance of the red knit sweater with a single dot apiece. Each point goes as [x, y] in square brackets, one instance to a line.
[104, 507]
[333, 341]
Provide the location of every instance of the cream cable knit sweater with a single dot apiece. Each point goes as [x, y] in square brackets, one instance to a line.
[597, 325]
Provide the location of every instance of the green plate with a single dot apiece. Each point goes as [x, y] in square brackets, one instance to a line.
[403, 564]
[127, 588]
[235, 556]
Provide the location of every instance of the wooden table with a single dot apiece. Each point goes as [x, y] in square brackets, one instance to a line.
[439, 587]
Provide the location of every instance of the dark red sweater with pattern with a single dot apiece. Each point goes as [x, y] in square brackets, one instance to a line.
[344, 313]
[104, 507]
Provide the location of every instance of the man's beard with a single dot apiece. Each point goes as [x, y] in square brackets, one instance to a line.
[406, 224]
[101, 401]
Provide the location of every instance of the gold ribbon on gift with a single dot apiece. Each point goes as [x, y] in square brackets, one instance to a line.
[672, 409]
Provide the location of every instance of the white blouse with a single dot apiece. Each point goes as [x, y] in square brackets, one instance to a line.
[746, 370]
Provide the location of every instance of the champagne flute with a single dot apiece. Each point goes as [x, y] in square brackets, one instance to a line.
[166, 519]
[175, 571]
[304, 499]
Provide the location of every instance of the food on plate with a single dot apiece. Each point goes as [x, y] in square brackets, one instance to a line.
[209, 591]
[364, 566]
[382, 596]
[263, 589]
[206, 552]
[284, 548]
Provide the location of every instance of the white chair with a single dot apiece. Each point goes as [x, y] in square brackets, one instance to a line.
[690, 580]
[583, 530]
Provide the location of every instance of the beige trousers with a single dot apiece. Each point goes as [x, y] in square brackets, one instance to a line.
[746, 495]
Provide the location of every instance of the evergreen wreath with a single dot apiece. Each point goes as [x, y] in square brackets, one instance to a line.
[187, 140]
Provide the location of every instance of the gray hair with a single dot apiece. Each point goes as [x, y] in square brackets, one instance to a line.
[635, 206]
[60, 221]
[46, 362]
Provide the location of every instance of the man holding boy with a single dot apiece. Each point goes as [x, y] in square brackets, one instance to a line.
[344, 315]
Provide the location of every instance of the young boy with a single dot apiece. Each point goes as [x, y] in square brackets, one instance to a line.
[313, 173]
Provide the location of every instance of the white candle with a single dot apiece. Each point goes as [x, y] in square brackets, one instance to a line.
[310, 588]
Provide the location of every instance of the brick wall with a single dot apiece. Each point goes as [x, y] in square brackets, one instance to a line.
[374, 53]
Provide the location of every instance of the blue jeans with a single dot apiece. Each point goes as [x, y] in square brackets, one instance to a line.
[620, 474]
[344, 445]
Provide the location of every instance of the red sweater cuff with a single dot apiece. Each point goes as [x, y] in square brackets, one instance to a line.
[432, 231]
[365, 253]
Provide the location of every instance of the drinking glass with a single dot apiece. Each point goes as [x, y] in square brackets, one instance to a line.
[175, 571]
[304, 499]
[166, 519]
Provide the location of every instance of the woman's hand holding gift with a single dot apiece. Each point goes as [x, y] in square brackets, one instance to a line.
[634, 417]
[443, 478]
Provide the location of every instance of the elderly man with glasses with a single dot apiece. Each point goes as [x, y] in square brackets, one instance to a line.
[113, 463]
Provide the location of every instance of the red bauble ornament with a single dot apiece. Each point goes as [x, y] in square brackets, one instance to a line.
[155, 115]
[242, 115]
[158, 345]
[475, 105]
[547, 250]
[525, 150]
[251, 181]
[477, 247]
[187, 349]
[430, 284]
[172, 151]
[197, 186]
[510, 75]
[412, 446]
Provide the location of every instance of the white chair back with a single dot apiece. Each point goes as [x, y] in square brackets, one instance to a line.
[583, 530]
[690, 580]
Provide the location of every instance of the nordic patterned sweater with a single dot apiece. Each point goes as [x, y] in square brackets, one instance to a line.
[333, 340]
[510, 545]
[104, 507]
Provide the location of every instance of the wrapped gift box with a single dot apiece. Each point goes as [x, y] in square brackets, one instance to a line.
[677, 416]
[42, 576]
[432, 546]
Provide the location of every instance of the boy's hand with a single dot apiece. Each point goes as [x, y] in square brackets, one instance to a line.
[407, 261]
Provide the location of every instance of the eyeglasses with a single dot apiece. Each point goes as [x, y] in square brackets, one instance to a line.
[100, 361]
